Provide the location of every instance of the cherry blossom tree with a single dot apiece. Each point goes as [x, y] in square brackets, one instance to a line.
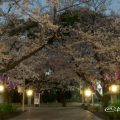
[72, 57]
[13, 54]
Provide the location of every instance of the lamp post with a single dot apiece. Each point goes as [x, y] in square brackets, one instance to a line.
[92, 99]
[29, 94]
[113, 89]
[23, 97]
[88, 93]
[1, 95]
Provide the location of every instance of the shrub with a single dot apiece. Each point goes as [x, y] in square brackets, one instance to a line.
[4, 107]
[7, 111]
[115, 114]
[85, 106]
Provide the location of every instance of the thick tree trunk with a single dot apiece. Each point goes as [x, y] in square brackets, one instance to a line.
[105, 100]
[62, 97]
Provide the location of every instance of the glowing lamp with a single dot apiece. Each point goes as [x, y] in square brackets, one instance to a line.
[1, 88]
[29, 93]
[88, 93]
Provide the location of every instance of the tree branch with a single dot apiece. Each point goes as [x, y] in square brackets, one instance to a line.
[13, 64]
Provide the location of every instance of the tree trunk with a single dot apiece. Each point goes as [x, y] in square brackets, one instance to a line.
[93, 23]
[54, 14]
[105, 100]
[62, 97]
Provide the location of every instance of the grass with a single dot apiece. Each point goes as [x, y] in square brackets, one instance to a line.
[8, 111]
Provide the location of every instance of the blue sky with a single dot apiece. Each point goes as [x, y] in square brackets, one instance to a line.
[115, 6]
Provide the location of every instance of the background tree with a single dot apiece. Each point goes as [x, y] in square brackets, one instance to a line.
[97, 6]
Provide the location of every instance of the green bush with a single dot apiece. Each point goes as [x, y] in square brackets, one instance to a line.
[68, 18]
[8, 111]
[48, 97]
[115, 114]
[84, 106]
[83, 16]
[4, 107]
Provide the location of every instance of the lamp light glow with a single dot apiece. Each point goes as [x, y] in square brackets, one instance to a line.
[1, 88]
[88, 93]
[114, 88]
[29, 93]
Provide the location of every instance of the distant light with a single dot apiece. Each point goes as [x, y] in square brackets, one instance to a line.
[88, 93]
[29, 92]
[1, 88]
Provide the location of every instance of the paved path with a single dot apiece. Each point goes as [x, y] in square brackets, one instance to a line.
[68, 113]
